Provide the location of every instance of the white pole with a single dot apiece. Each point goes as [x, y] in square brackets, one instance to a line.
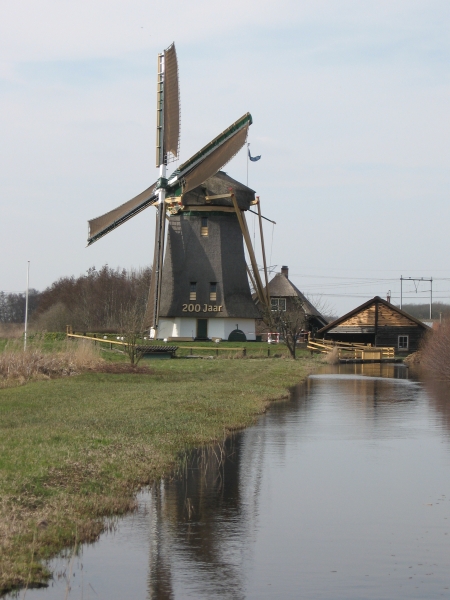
[401, 292]
[247, 162]
[431, 297]
[26, 307]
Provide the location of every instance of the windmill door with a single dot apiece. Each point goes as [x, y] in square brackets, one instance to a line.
[202, 329]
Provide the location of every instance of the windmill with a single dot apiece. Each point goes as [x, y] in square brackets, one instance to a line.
[204, 276]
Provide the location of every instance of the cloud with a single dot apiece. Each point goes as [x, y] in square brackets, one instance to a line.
[349, 100]
[68, 30]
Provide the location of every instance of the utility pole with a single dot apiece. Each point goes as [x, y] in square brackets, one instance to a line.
[247, 161]
[402, 279]
[401, 292]
[26, 307]
[431, 297]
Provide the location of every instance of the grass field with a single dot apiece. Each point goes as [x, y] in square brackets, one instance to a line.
[76, 449]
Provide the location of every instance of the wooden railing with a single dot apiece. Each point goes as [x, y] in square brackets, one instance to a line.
[107, 341]
[352, 351]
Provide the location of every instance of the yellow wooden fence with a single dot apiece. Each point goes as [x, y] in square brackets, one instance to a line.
[350, 351]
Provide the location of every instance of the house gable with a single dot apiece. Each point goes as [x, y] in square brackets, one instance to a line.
[365, 318]
[392, 318]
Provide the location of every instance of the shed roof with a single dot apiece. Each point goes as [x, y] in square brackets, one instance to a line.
[376, 300]
[282, 287]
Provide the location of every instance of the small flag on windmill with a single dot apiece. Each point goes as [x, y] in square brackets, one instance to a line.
[252, 158]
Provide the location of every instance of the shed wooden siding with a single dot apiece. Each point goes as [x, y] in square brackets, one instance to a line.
[388, 336]
[372, 318]
[391, 318]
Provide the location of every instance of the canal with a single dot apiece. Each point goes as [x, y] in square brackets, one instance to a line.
[341, 492]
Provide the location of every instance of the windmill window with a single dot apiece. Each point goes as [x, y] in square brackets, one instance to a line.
[403, 342]
[213, 291]
[193, 290]
[278, 303]
[204, 228]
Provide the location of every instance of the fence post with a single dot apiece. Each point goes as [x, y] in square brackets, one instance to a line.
[244, 352]
[191, 351]
[268, 351]
[217, 352]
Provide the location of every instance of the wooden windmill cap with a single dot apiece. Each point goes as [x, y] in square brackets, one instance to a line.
[217, 185]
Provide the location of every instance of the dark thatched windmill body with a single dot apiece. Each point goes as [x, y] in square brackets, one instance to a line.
[200, 288]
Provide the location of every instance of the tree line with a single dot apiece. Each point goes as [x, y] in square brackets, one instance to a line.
[422, 311]
[96, 301]
[12, 306]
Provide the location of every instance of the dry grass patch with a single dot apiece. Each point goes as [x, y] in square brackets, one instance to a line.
[435, 351]
[19, 366]
[11, 330]
[332, 358]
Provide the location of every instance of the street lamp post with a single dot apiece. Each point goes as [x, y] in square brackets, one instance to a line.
[26, 307]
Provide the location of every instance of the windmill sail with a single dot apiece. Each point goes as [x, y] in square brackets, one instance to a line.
[218, 158]
[215, 161]
[205, 163]
[167, 141]
[100, 226]
[171, 102]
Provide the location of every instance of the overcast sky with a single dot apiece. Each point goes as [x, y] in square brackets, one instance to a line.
[350, 103]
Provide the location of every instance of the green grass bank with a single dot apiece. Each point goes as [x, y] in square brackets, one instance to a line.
[75, 450]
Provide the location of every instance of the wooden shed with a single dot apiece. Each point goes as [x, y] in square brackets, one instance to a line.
[379, 323]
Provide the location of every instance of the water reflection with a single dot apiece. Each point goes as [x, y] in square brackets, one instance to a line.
[439, 397]
[198, 516]
[341, 492]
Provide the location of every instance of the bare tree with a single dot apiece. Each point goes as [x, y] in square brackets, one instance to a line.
[131, 327]
[289, 323]
[321, 304]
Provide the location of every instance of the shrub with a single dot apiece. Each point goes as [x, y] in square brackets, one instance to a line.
[332, 358]
[435, 351]
[18, 366]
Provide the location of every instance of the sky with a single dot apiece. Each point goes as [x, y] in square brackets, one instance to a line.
[349, 100]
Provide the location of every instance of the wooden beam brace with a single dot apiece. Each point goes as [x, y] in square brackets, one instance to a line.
[261, 233]
[251, 278]
[218, 197]
[245, 233]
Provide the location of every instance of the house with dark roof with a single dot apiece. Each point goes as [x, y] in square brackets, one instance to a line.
[282, 292]
[379, 323]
